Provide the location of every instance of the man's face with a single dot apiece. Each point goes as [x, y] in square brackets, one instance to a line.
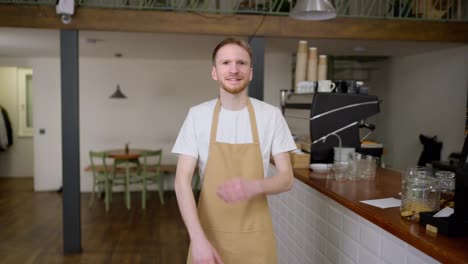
[232, 69]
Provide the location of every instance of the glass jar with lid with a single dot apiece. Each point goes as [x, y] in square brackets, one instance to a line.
[446, 188]
[421, 195]
[411, 173]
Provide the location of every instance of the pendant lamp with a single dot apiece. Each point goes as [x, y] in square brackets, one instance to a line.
[313, 10]
[118, 94]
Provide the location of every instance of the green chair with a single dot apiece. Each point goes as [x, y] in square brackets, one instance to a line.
[150, 173]
[125, 174]
[102, 177]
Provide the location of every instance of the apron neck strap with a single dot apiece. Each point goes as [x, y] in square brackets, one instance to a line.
[253, 123]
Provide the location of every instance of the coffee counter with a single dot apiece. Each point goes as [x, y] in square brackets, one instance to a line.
[322, 221]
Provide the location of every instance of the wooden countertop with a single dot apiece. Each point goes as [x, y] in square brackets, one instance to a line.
[387, 184]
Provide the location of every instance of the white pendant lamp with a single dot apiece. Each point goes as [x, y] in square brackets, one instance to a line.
[313, 10]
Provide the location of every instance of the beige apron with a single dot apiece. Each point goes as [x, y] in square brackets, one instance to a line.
[242, 233]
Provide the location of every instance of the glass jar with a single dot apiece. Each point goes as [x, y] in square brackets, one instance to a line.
[446, 188]
[421, 195]
[411, 173]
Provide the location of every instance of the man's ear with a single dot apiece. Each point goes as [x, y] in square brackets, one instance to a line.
[251, 74]
[213, 74]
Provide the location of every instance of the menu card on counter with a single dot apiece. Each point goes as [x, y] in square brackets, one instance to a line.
[384, 203]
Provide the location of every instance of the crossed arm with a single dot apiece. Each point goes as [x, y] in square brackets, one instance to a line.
[231, 191]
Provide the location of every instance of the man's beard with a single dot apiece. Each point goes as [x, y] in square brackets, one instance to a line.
[236, 90]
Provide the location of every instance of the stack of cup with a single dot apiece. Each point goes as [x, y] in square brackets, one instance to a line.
[322, 68]
[361, 167]
[312, 65]
[342, 154]
[368, 166]
[301, 63]
[340, 163]
[354, 168]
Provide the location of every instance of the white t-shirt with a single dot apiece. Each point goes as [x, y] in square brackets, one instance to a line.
[234, 128]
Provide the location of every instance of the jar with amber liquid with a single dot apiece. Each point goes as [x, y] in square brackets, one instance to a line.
[421, 195]
[446, 188]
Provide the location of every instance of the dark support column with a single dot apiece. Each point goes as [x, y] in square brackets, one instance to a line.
[256, 85]
[70, 141]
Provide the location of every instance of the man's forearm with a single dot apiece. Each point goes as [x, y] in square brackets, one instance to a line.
[186, 200]
[278, 183]
[283, 180]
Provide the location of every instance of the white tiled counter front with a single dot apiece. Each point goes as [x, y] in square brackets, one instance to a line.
[312, 228]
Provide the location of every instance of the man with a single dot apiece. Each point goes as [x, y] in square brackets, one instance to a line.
[232, 137]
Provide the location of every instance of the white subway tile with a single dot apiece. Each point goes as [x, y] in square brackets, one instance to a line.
[370, 239]
[322, 208]
[346, 260]
[333, 254]
[334, 236]
[310, 234]
[392, 250]
[309, 197]
[414, 253]
[366, 257]
[310, 249]
[370, 225]
[312, 228]
[350, 247]
[302, 194]
[302, 214]
[335, 216]
[351, 227]
[310, 217]
[321, 244]
[322, 226]
[320, 258]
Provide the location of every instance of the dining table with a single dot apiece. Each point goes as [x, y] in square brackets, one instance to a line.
[122, 154]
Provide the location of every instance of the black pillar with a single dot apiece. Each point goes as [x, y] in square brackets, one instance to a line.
[258, 60]
[70, 141]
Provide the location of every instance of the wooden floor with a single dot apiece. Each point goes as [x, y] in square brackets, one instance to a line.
[31, 228]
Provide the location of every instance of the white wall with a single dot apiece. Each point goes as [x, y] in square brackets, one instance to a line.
[277, 72]
[17, 161]
[426, 94]
[159, 93]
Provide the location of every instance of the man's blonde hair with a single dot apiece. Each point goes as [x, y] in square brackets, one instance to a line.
[231, 40]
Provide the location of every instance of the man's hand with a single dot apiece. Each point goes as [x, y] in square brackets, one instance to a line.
[204, 253]
[237, 190]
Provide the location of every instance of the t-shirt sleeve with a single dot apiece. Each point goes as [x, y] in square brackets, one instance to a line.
[282, 138]
[186, 143]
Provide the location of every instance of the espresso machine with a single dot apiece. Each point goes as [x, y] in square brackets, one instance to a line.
[341, 114]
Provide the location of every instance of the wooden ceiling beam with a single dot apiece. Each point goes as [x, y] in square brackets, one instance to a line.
[236, 24]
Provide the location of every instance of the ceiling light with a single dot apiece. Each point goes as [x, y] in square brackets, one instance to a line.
[118, 94]
[313, 10]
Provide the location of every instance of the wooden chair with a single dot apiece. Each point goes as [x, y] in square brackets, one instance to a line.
[150, 173]
[125, 174]
[102, 176]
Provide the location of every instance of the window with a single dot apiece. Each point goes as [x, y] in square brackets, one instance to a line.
[25, 100]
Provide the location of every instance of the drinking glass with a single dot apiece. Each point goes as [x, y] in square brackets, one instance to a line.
[354, 168]
[339, 171]
[368, 165]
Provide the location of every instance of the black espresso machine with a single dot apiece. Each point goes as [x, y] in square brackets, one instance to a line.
[339, 114]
